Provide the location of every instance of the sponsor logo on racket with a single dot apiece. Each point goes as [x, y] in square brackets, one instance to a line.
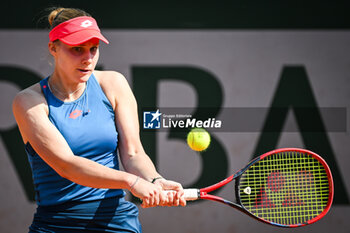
[247, 190]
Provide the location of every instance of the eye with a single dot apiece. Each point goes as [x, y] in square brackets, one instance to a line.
[93, 49]
[77, 49]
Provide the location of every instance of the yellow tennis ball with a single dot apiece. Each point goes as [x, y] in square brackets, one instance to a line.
[198, 139]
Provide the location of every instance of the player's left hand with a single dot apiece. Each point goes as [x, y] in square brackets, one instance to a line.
[176, 196]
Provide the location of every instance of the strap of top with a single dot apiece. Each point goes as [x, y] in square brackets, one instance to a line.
[96, 87]
[45, 87]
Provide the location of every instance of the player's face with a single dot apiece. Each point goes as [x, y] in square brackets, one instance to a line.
[76, 62]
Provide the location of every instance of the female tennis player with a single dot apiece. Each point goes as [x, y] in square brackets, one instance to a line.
[72, 124]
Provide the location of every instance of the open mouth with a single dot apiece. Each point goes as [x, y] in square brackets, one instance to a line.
[84, 70]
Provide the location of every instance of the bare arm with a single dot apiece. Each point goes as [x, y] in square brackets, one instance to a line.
[31, 113]
[132, 154]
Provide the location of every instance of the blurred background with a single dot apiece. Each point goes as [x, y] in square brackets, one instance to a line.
[244, 57]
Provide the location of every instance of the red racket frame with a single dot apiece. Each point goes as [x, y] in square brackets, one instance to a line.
[203, 193]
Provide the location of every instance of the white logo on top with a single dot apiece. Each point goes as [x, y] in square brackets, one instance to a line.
[86, 23]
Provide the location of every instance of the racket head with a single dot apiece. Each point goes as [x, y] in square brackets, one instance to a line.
[288, 187]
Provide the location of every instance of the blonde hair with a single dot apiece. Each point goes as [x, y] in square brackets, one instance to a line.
[59, 15]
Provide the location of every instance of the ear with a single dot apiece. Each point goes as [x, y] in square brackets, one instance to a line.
[52, 48]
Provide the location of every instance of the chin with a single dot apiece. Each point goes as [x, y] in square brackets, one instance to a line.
[85, 77]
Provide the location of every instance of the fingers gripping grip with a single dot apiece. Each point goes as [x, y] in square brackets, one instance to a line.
[189, 194]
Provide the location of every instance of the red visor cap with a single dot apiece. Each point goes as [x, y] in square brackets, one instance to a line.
[77, 31]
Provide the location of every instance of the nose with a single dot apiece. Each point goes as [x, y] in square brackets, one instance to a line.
[88, 57]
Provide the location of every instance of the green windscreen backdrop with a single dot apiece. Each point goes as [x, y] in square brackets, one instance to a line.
[255, 14]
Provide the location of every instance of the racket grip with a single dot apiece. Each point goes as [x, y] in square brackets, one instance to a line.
[189, 194]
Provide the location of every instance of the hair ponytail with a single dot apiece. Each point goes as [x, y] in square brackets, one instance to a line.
[59, 15]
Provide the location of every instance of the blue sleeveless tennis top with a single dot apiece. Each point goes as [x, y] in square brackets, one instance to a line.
[88, 125]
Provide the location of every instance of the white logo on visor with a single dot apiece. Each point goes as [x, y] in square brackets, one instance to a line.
[86, 23]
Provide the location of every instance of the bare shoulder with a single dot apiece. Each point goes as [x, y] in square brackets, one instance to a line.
[108, 78]
[29, 98]
[114, 85]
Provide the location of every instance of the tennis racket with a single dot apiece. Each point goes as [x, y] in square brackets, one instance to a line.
[287, 187]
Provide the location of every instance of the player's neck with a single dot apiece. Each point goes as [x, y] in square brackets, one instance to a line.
[67, 91]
